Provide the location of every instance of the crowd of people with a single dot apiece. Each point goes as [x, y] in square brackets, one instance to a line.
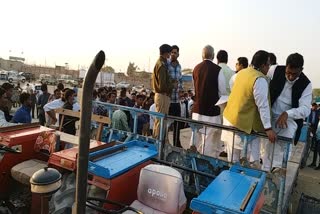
[261, 97]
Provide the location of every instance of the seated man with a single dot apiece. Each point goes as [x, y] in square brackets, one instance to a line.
[23, 114]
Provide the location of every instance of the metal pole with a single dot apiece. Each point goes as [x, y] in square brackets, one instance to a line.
[79, 206]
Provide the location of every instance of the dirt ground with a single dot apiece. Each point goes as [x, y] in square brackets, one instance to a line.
[308, 182]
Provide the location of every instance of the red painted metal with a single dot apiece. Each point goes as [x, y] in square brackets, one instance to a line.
[24, 137]
[122, 188]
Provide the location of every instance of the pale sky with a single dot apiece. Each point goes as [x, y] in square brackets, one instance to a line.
[68, 31]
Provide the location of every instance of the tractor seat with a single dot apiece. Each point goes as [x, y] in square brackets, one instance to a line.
[23, 171]
[160, 191]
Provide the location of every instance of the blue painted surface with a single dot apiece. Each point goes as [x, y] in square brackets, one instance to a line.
[227, 192]
[113, 163]
[304, 134]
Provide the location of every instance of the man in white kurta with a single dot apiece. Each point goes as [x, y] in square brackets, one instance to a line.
[283, 114]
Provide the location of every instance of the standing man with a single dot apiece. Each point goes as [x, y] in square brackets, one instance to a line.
[222, 58]
[23, 114]
[313, 119]
[162, 85]
[248, 108]
[8, 105]
[3, 103]
[175, 108]
[42, 101]
[209, 85]
[291, 96]
[242, 63]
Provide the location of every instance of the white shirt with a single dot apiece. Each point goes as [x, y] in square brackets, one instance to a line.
[228, 73]
[3, 122]
[232, 79]
[152, 108]
[55, 104]
[283, 102]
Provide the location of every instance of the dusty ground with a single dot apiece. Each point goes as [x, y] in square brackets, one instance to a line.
[308, 182]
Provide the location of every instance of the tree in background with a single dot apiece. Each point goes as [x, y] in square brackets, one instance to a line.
[132, 68]
[108, 69]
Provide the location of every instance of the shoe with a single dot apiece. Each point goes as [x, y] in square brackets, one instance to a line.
[312, 165]
[317, 168]
[223, 154]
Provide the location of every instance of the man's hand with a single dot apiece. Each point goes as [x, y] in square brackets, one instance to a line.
[282, 121]
[271, 135]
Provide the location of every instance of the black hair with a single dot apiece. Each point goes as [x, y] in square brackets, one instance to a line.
[67, 94]
[175, 47]
[2, 91]
[165, 48]
[260, 58]
[23, 97]
[56, 90]
[222, 56]
[314, 104]
[295, 60]
[273, 59]
[6, 86]
[44, 87]
[60, 86]
[243, 61]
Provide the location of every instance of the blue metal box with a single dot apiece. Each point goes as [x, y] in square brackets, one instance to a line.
[111, 162]
[233, 191]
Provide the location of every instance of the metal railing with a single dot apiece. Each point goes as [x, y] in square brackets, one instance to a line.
[195, 127]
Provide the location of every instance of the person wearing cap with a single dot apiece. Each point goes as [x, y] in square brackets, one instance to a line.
[162, 85]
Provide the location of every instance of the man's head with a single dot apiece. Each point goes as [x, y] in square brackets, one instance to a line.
[8, 89]
[222, 56]
[133, 97]
[208, 52]
[111, 97]
[69, 96]
[314, 106]
[25, 99]
[165, 50]
[3, 97]
[60, 86]
[260, 61]
[57, 93]
[273, 59]
[174, 53]
[242, 63]
[44, 88]
[139, 99]
[294, 66]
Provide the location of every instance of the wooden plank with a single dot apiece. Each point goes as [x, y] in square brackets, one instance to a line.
[94, 117]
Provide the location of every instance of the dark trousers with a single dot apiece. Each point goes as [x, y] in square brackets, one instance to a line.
[175, 110]
[316, 152]
[32, 110]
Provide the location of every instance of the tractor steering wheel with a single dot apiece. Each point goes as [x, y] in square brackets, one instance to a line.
[95, 207]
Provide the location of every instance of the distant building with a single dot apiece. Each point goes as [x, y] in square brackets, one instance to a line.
[36, 70]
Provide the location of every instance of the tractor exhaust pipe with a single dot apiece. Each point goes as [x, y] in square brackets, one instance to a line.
[79, 206]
